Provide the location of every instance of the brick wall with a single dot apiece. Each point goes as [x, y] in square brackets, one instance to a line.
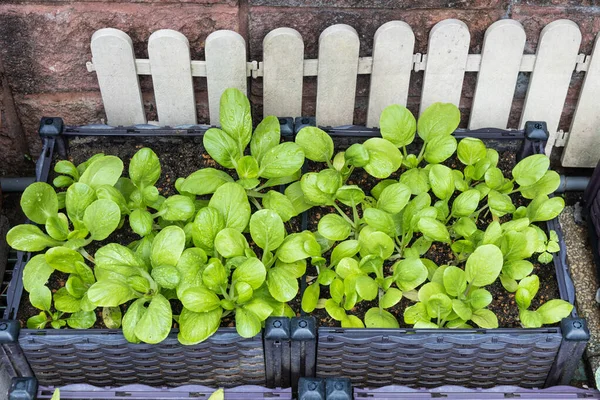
[44, 46]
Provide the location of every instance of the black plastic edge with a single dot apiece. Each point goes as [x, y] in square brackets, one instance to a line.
[311, 389]
[286, 126]
[23, 389]
[50, 126]
[304, 348]
[338, 389]
[535, 132]
[303, 122]
[575, 330]
[575, 338]
[9, 331]
[277, 352]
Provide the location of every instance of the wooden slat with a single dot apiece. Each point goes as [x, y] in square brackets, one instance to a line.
[583, 143]
[554, 64]
[114, 61]
[337, 72]
[392, 64]
[283, 62]
[225, 67]
[446, 61]
[501, 56]
[169, 53]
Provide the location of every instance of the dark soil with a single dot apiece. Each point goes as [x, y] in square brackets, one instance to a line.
[503, 305]
[179, 157]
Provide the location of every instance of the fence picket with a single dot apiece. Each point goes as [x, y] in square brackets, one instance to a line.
[225, 67]
[393, 47]
[283, 64]
[556, 57]
[170, 63]
[501, 56]
[337, 73]
[583, 143]
[446, 62]
[114, 61]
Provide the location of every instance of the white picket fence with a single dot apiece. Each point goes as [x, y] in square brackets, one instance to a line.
[283, 68]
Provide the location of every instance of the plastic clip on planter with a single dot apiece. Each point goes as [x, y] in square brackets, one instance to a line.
[324, 389]
[304, 349]
[277, 351]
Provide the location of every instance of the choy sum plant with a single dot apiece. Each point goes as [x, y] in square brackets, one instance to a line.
[382, 236]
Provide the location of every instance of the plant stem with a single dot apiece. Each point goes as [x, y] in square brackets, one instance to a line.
[343, 214]
[421, 153]
[254, 193]
[86, 255]
[256, 203]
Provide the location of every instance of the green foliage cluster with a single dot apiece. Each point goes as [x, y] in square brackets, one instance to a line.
[221, 247]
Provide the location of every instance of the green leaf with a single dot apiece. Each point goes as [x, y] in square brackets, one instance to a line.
[37, 321]
[515, 246]
[41, 298]
[471, 150]
[78, 198]
[417, 180]
[310, 298]
[197, 327]
[58, 227]
[281, 160]
[168, 246]
[296, 195]
[416, 313]
[554, 311]
[62, 181]
[312, 193]
[439, 119]
[334, 227]
[39, 202]
[230, 243]
[132, 316]
[221, 147]
[517, 269]
[545, 258]
[103, 171]
[214, 275]
[455, 282]
[391, 297]
[466, 203]
[439, 306]
[543, 208]
[266, 136]
[101, 218]
[384, 158]
[375, 243]
[334, 310]
[117, 258]
[348, 248]
[67, 168]
[279, 203]
[484, 265]
[356, 155]
[251, 271]
[350, 195]
[329, 181]
[531, 169]
[111, 193]
[267, 229]
[177, 208]
[82, 320]
[112, 317]
[154, 326]
[109, 293]
[508, 283]
[347, 267]
[235, 118]
[141, 222]
[461, 309]
[553, 246]
[63, 259]
[532, 284]
[465, 227]
[247, 167]
[485, 319]
[282, 285]
[167, 276]
[429, 289]
[376, 318]
[479, 298]
[547, 184]
[36, 272]
[409, 273]
[205, 181]
[247, 323]
[531, 319]
[144, 168]
[439, 149]
[298, 246]
[366, 287]
[494, 178]
[316, 144]
[231, 201]
[394, 198]
[63, 301]
[434, 229]
[398, 125]
[207, 224]
[492, 233]
[499, 203]
[200, 299]
[380, 221]
[441, 179]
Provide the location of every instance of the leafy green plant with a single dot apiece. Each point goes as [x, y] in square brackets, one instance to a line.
[550, 312]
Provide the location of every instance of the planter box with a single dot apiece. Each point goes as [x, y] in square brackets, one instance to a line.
[146, 392]
[467, 357]
[287, 350]
[461, 393]
[104, 357]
